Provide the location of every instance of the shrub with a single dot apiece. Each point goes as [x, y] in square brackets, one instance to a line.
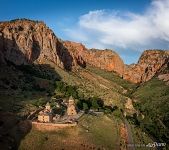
[107, 111]
[117, 113]
[85, 107]
[39, 102]
[94, 104]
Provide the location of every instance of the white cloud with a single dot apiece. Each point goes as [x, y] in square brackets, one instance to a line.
[124, 30]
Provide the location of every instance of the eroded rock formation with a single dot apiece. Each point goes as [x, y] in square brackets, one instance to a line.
[103, 59]
[26, 41]
[150, 62]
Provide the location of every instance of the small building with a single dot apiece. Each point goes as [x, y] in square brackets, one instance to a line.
[46, 115]
[71, 108]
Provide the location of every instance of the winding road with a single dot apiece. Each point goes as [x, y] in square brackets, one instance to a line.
[129, 136]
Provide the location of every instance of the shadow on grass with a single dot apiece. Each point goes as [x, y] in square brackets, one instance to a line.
[18, 72]
[12, 130]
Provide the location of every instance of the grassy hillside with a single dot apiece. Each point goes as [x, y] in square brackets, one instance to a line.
[26, 81]
[32, 84]
[29, 87]
[151, 99]
[93, 84]
[119, 83]
[92, 132]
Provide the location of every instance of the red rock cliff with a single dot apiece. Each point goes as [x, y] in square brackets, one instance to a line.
[103, 59]
[26, 41]
[150, 62]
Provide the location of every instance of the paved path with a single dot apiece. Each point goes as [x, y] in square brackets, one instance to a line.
[129, 135]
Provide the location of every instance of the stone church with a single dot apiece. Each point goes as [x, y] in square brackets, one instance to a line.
[71, 108]
[46, 115]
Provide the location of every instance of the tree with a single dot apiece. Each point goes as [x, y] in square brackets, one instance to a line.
[71, 91]
[59, 85]
[39, 102]
[117, 113]
[94, 104]
[107, 111]
[85, 107]
[100, 102]
[79, 104]
[80, 95]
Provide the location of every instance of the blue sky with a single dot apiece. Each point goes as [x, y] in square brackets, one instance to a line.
[127, 26]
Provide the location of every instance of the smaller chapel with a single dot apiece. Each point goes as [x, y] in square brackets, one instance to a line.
[46, 115]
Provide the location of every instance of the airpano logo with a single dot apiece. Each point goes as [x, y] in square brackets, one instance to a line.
[154, 144]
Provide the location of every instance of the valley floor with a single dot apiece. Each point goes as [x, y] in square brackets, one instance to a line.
[92, 132]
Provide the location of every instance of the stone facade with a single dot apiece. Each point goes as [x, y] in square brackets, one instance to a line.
[46, 115]
[52, 126]
[47, 107]
[71, 109]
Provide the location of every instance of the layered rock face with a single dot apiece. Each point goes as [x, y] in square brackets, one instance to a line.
[26, 41]
[103, 59]
[107, 60]
[76, 50]
[150, 62]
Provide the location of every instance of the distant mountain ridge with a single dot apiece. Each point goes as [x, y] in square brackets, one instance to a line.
[149, 64]
[104, 59]
[24, 41]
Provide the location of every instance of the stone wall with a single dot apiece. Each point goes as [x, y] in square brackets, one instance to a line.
[51, 126]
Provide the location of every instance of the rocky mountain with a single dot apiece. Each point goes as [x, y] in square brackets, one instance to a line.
[149, 64]
[27, 41]
[57, 71]
[103, 59]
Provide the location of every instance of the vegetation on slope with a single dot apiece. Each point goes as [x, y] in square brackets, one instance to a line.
[90, 84]
[38, 84]
[118, 81]
[34, 85]
[151, 99]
